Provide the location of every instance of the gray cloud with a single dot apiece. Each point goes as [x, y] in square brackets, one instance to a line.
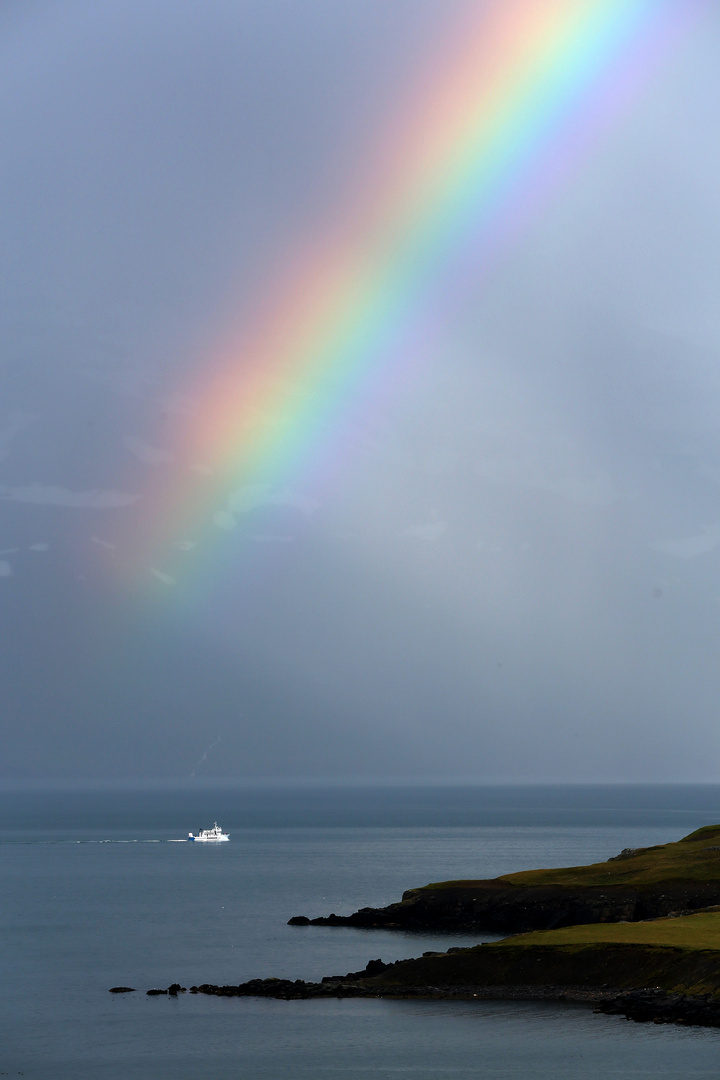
[166, 579]
[245, 499]
[151, 455]
[17, 422]
[125, 381]
[431, 530]
[179, 405]
[49, 495]
[690, 547]
[224, 520]
[251, 497]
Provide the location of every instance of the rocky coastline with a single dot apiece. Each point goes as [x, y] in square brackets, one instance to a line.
[494, 907]
[636, 885]
[342, 987]
[637, 936]
[643, 1005]
[646, 984]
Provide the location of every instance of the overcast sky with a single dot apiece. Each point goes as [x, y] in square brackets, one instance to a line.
[509, 569]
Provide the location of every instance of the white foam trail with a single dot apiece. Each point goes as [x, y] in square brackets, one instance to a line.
[55, 842]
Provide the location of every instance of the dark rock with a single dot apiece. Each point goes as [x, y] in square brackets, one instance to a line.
[497, 906]
[373, 967]
[628, 853]
[122, 989]
[660, 1007]
[649, 1005]
[154, 993]
[299, 920]
[341, 986]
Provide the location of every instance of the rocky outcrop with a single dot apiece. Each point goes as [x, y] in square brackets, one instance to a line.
[613, 978]
[173, 990]
[350, 985]
[495, 906]
[659, 1007]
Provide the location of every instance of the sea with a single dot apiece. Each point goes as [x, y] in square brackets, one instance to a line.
[97, 891]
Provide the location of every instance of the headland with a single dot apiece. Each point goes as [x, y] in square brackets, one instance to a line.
[638, 935]
[645, 883]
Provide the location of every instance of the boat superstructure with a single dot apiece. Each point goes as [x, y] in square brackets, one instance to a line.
[213, 836]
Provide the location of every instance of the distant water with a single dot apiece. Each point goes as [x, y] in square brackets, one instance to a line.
[94, 895]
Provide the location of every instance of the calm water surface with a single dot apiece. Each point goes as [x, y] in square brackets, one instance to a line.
[95, 895]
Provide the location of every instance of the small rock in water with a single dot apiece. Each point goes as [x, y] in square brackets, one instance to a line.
[122, 989]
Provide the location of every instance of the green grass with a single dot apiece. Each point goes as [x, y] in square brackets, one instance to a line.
[700, 931]
[690, 859]
[680, 954]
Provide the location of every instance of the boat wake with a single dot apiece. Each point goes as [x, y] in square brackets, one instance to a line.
[53, 843]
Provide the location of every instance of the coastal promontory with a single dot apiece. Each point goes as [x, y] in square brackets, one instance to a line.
[637, 884]
[638, 935]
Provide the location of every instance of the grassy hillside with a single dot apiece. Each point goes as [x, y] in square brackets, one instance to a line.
[697, 931]
[681, 955]
[694, 858]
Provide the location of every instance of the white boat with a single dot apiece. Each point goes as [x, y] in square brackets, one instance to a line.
[214, 835]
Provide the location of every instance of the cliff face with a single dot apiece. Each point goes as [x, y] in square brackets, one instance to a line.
[485, 906]
[645, 884]
[560, 967]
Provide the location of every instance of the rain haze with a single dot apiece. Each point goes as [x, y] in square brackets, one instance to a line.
[493, 553]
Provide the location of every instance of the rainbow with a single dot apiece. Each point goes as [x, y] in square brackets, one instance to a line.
[507, 104]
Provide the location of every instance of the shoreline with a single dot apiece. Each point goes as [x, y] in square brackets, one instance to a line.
[585, 938]
[299, 990]
[660, 983]
[646, 1005]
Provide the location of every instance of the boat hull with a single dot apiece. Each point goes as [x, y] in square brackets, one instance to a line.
[209, 836]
